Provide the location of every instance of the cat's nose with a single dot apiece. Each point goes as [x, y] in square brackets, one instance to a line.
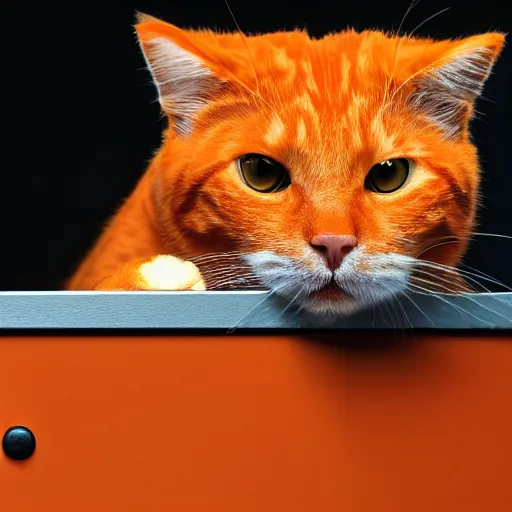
[334, 247]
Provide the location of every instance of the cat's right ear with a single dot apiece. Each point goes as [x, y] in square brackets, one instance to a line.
[184, 76]
[447, 88]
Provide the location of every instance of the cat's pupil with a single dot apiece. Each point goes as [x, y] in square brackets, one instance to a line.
[263, 174]
[388, 176]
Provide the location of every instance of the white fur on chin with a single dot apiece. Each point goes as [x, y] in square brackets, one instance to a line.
[366, 279]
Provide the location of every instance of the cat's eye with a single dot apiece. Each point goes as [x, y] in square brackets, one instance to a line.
[388, 176]
[262, 173]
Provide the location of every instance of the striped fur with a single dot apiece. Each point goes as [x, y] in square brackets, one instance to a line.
[328, 109]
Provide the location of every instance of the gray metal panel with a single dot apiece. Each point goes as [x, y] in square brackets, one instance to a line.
[228, 310]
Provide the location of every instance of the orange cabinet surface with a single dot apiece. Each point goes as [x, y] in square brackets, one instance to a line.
[378, 422]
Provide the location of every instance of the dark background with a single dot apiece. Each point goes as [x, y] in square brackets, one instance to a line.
[79, 125]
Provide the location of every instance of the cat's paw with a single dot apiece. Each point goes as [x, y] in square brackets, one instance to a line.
[162, 272]
[165, 272]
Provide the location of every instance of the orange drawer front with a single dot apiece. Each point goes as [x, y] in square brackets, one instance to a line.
[308, 421]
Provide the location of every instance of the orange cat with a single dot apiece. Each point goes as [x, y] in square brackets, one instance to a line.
[323, 169]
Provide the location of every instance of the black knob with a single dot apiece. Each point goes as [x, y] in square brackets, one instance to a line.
[18, 443]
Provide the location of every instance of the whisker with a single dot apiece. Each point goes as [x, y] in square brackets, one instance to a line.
[484, 276]
[431, 244]
[234, 286]
[475, 272]
[253, 281]
[426, 69]
[467, 297]
[418, 308]
[440, 244]
[412, 5]
[447, 290]
[403, 310]
[496, 235]
[290, 303]
[246, 47]
[467, 274]
[444, 280]
[386, 304]
[228, 282]
[223, 271]
[424, 291]
[428, 19]
[214, 255]
[455, 272]
[267, 296]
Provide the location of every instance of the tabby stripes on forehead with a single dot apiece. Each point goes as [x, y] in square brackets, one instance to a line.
[285, 64]
[301, 131]
[308, 112]
[310, 79]
[275, 131]
[386, 141]
[345, 73]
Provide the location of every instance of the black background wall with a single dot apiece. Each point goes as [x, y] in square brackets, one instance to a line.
[78, 125]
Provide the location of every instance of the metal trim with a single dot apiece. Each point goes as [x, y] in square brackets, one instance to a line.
[243, 309]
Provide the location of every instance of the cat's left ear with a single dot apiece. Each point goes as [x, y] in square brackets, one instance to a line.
[445, 91]
[184, 75]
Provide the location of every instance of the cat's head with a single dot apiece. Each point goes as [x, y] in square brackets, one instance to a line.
[332, 164]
